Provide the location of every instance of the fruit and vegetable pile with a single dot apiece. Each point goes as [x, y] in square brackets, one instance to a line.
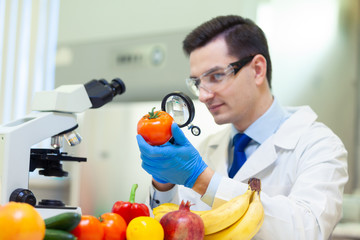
[240, 218]
[127, 220]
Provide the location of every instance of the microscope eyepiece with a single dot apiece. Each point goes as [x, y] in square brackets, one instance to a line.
[118, 86]
[101, 92]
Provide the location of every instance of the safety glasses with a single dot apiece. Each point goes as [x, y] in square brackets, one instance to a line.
[215, 78]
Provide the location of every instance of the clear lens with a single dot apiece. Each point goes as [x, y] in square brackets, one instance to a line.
[209, 81]
[192, 86]
[178, 109]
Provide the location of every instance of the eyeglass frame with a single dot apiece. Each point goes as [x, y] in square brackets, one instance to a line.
[235, 67]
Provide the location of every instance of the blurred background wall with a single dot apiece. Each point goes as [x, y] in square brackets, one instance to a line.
[315, 56]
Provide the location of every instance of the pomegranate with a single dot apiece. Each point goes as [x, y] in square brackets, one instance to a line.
[182, 224]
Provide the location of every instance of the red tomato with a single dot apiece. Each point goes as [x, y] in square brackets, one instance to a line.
[89, 228]
[114, 226]
[155, 127]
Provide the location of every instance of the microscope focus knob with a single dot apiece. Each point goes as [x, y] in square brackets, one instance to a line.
[23, 195]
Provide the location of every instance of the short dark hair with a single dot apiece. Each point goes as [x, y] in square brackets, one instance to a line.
[242, 35]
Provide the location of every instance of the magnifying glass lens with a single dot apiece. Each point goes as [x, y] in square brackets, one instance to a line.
[178, 109]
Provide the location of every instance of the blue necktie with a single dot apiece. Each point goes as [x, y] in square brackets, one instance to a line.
[241, 140]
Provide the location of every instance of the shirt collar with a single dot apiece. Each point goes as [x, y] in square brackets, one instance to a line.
[267, 124]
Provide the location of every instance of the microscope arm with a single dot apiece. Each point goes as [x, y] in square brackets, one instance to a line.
[16, 140]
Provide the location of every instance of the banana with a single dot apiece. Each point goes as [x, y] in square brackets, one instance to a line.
[248, 225]
[163, 209]
[223, 216]
[200, 213]
[166, 207]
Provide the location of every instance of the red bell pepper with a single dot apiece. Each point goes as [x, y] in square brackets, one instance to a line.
[131, 209]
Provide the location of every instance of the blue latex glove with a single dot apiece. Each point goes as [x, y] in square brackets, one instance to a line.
[177, 163]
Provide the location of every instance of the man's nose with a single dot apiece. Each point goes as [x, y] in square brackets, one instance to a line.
[205, 94]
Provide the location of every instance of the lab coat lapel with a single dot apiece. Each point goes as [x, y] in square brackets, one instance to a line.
[218, 157]
[218, 152]
[285, 138]
[263, 157]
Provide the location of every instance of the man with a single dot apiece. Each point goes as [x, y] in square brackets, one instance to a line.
[301, 163]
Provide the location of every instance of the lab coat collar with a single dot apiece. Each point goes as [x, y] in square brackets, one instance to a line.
[301, 117]
[286, 137]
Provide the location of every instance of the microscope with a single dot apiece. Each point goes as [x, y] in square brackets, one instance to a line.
[54, 117]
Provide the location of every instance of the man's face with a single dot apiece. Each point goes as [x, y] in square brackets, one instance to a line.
[234, 101]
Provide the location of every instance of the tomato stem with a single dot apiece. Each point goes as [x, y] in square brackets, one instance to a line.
[132, 193]
[153, 114]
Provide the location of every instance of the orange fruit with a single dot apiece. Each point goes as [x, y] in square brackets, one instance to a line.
[21, 221]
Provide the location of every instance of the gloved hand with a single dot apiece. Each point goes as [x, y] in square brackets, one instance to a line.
[177, 163]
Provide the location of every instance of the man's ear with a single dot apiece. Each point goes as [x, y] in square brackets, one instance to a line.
[259, 65]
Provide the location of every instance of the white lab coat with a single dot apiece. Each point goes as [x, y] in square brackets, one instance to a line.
[302, 168]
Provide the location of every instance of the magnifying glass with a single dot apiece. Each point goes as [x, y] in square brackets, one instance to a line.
[182, 109]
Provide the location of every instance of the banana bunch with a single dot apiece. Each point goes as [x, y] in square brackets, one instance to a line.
[247, 226]
[240, 218]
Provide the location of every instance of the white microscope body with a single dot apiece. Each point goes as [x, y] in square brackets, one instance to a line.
[53, 117]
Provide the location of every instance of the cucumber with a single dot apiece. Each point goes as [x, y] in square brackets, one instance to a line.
[55, 234]
[64, 221]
